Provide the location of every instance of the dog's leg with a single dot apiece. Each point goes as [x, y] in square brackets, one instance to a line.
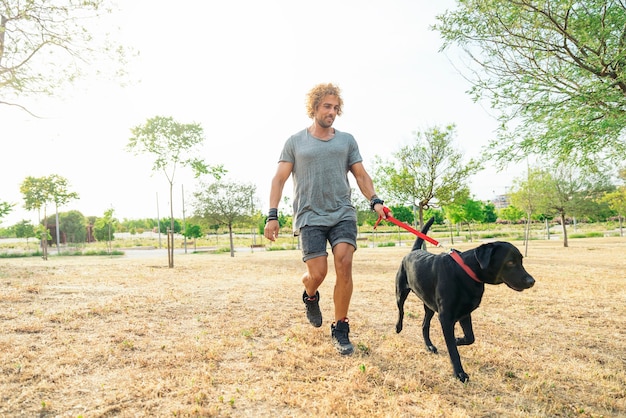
[402, 292]
[401, 295]
[428, 315]
[468, 331]
[447, 325]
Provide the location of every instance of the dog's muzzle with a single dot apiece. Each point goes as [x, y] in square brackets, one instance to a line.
[523, 284]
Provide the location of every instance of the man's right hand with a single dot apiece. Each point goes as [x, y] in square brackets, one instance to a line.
[271, 230]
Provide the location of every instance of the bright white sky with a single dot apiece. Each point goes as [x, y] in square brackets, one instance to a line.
[241, 69]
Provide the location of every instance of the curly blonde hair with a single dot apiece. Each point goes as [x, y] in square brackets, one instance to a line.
[317, 94]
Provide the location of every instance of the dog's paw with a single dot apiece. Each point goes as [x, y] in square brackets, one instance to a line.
[462, 376]
[432, 349]
[398, 328]
[464, 341]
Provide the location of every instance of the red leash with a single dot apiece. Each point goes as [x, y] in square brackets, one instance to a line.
[452, 253]
[405, 226]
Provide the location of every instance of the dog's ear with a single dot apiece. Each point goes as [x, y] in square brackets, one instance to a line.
[483, 255]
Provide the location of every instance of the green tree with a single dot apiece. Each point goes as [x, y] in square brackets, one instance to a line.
[71, 224]
[511, 214]
[193, 231]
[5, 209]
[104, 228]
[59, 194]
[563, 190]
[283, 220]
[25, 229]
[403, 214]
[526, 194]
[452, 212]
[435, 213]
[489, 213]
[172, 144]
[166, 223]
[35, 194]
[74, 225]
[258, 220]
[43, 235]
[45, 45]
[224, 203]
[554, 70]
[466, 212]
[617, 202]
[428, 172]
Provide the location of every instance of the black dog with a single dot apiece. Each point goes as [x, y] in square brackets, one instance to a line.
[447, 287]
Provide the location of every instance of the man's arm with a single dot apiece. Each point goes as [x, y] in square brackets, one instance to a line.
[366, 185]
[276, 191]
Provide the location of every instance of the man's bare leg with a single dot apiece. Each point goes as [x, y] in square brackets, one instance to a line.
[343, 253]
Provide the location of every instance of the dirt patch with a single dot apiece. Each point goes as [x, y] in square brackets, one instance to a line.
[222, 336]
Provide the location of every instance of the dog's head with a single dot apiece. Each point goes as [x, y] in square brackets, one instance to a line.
[501, 262]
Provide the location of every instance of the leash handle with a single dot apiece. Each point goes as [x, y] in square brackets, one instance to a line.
[405, 226]
[380, 218]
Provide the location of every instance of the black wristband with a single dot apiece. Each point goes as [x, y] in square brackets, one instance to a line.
[272, 215]
[376, 201]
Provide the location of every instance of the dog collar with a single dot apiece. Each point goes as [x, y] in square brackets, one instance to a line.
[456, 257]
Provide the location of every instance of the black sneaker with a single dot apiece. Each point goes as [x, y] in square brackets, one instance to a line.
[339, 334]
[313, 313]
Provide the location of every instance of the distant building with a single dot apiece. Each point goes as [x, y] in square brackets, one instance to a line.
[501, 201]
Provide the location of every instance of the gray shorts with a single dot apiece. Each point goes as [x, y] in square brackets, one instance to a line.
[313, 238]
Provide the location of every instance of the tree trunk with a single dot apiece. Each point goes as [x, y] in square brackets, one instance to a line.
[420, 213]
[451, 234]
[527, 235]
[232, 244]
[184, 225]
[565, 244]
[58, 237]
[44, 236]
[170, 249]
[3, 29]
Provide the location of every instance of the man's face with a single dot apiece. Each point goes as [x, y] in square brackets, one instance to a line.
[327, 111]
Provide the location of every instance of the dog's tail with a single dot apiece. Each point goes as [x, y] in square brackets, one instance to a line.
[419, 242]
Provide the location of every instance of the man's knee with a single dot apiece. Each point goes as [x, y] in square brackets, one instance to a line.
[317, 268]
[343, 254]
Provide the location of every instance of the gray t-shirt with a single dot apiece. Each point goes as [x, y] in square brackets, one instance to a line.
[320, 178]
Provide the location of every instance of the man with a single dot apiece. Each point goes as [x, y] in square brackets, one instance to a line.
[319, 158]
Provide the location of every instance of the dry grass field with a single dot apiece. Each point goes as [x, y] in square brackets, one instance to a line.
[222, 336]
